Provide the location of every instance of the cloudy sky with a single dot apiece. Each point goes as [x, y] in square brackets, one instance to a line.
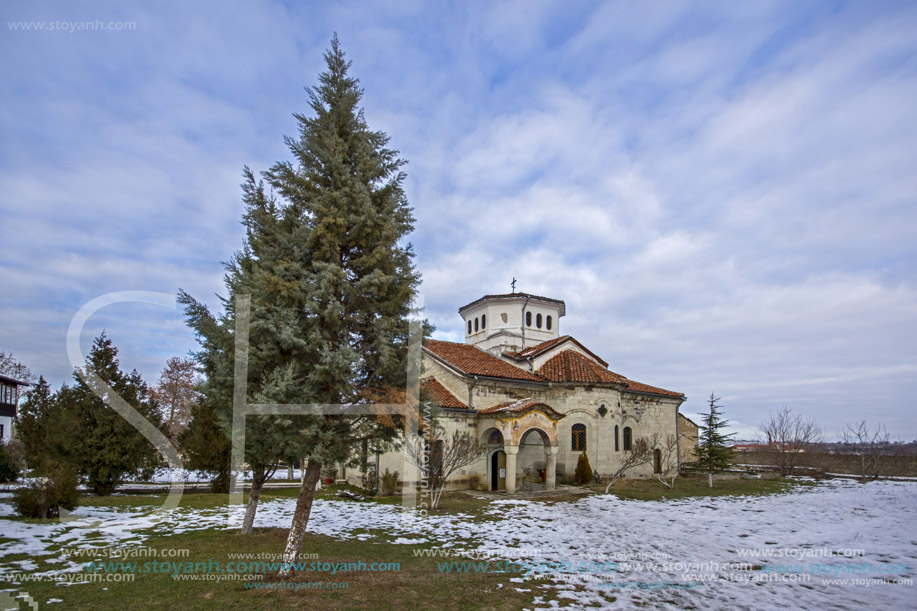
[723, 193]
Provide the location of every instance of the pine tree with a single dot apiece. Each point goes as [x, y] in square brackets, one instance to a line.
[93, 437]
[713, 454]
[38, 412]
[206, 446]
[330, 288]
[270, 270]
[360, 281]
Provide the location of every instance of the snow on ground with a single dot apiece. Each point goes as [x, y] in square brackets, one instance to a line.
[704, 553]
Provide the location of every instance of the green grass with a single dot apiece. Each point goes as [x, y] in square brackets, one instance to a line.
[418, 584]
[693, 487]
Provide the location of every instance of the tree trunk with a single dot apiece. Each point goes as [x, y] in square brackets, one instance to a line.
[252, 507]
[301, 516]
[710, 478]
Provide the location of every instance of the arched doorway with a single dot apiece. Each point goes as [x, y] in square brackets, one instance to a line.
[492, 439]
[498, 470]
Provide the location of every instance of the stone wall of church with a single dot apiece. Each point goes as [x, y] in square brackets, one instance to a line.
[644, 415]
[468, 477]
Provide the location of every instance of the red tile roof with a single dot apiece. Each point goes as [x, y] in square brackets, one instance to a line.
[566, 366]
[572, 366]
[442, 396]
[533, 350]
[653, 390]
[474, 361]
[545, 346]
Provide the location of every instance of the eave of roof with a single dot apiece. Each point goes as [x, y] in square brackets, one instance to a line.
[516, 296]
[646, 389]
[10, 380]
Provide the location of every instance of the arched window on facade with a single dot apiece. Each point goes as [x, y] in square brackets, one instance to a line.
[528, 319]
[628, 439]
[548, 323]
[469, 326]
[483, 321]
[538, 321]
[579, 437]
[617, 440]
[475, 325]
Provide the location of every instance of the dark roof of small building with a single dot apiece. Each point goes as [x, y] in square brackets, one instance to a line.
[10, 380]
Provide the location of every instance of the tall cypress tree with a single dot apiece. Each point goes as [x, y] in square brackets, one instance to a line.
[713, 454]
[359, 280]
[268, 269]
[330, 284]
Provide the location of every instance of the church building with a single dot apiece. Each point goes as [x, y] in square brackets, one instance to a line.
[536, 399]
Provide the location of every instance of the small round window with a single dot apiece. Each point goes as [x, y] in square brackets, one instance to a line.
[548, 323]
[538, 321]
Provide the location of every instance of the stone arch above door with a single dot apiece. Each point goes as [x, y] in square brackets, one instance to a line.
[514, 420]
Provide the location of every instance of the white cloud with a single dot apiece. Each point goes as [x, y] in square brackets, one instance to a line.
[722, 194]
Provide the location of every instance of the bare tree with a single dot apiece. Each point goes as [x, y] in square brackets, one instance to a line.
[439, 457]
[177, 393]
[869, 445]
[639, 454]
[788, 435]
[665, 458]
[12, 368]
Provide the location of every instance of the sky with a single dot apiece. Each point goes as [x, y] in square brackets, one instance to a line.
[722, 193]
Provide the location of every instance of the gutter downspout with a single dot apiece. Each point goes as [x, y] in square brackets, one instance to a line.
[677, 439]
[471, 391]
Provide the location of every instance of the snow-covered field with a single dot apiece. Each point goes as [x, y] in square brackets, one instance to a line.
[701, 553]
